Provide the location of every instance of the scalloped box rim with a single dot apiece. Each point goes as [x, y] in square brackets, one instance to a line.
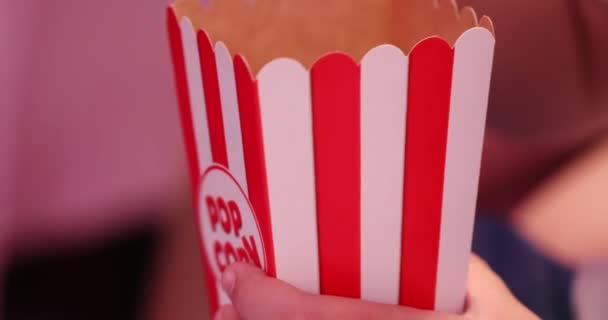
[201, 32]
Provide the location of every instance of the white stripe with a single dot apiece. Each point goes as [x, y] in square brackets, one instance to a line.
[474, 53]
[285, 106]
[384, 75]
[230, 114]
[198, 107]
[195, 89]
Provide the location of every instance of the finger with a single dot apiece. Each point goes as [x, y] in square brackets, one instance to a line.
[258, 297]
[226, 313]
[328, 307]
[489, 297]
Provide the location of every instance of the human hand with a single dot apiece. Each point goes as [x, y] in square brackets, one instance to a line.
[259, 297]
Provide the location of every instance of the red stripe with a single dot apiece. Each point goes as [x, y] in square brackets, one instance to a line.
[429, 90]
[253, 148]
[336, 114]
[183, 95]
[212, 99]
[177, 54]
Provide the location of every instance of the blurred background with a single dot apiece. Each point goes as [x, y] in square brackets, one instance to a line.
[95, 221]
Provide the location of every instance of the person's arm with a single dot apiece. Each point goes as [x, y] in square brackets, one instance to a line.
[549, 101]
[258, 297]
[549, 92]
[566, 217]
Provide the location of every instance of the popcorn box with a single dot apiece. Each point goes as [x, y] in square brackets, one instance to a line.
[339, 149]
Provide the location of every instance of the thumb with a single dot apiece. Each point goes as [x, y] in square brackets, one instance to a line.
[258, 297]
[489, 297]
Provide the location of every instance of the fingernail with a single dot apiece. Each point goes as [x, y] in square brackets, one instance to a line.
[228, 281]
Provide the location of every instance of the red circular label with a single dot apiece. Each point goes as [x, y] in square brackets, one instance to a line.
[228, 224]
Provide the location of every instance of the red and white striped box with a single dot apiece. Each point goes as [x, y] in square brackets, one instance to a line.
[356, 179]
